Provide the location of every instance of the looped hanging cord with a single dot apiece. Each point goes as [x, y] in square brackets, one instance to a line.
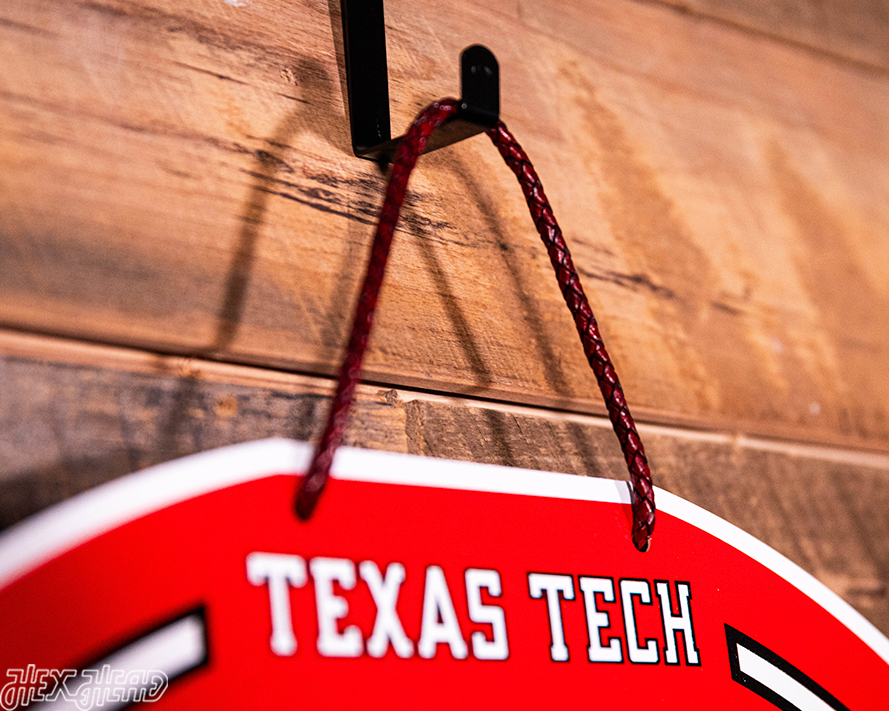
[569, 282]
[593, 346]
[405, 159]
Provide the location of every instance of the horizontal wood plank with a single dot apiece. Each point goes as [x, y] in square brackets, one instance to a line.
[177, 177]
[857, 30]
[77, 415]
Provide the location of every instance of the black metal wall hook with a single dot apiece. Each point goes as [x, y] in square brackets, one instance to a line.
[367, 77]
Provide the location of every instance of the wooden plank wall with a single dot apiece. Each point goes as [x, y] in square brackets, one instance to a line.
[183, 229]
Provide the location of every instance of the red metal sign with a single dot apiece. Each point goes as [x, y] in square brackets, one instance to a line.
[419, 583]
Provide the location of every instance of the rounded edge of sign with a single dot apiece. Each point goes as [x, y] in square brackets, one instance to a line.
[28, 544]
[395, 468]
[25, 546]
[778, 563]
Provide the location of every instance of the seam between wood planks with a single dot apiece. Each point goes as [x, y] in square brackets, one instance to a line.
[48, 348]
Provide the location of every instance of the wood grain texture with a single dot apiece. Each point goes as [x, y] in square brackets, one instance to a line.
[77, 415]
[856, 30]
[177, 177]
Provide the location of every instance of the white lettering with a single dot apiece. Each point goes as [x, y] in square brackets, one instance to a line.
[553, 585]
[437, 605]
[280, 571]
[497, 648]
[40, 678]
[60, 685]
[332, 608]
[628, 590]
[677, 623]
[597, 620]
[387, 626]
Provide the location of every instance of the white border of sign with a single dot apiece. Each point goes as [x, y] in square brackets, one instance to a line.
[50, 533]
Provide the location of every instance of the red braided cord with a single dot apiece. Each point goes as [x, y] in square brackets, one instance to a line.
[405, 159]
[593, 347]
